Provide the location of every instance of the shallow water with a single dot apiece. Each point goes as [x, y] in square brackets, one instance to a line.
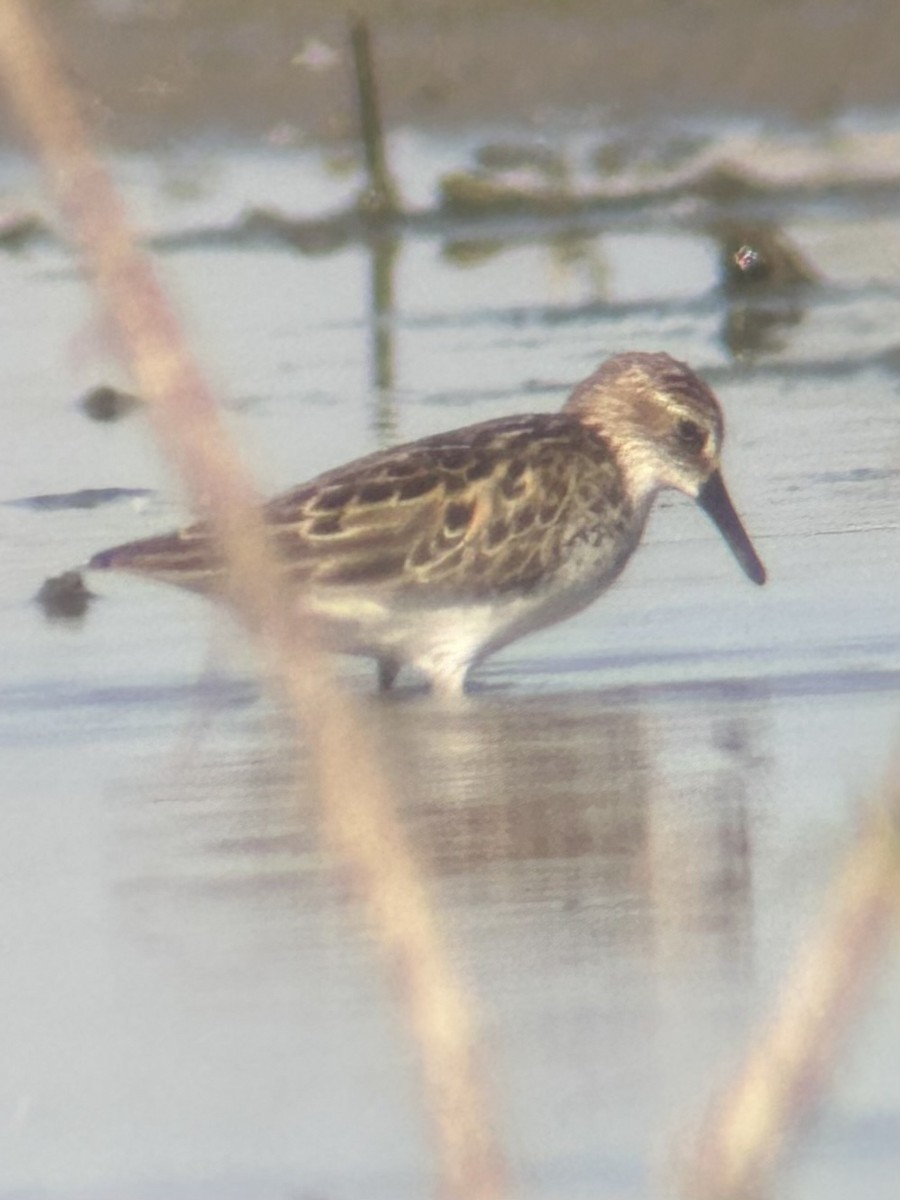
[630, 822]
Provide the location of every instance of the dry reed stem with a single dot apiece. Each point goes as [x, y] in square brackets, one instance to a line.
[787, 1069]
[358, 814]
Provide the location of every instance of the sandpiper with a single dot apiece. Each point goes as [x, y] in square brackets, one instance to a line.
[436, 553]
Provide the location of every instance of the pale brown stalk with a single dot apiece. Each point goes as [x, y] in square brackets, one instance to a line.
[787, 1068]
[358, 814]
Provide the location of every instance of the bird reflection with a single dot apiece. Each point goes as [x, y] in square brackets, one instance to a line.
[584, 806]
[630, 824]
[526, 782]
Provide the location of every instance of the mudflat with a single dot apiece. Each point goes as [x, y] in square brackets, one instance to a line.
[168, 68]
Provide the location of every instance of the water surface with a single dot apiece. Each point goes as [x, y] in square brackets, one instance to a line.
[628, 824]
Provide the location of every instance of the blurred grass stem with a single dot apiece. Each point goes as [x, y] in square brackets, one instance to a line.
[787, 1069]
[358, 813]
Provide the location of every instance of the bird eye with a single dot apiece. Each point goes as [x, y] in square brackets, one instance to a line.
[690, 434]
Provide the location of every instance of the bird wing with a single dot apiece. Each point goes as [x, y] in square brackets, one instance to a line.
[471, 513]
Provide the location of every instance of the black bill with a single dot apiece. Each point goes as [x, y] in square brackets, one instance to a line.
[714, 499]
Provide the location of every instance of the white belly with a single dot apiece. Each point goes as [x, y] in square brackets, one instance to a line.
[444, 640]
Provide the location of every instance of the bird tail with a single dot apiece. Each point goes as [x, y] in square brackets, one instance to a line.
[186, 559]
